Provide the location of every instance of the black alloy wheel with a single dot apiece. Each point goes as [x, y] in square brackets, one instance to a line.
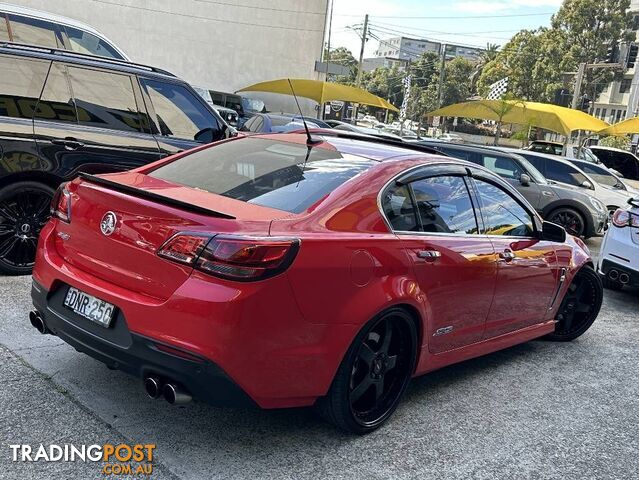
[374, 374]
[24, 210]
[580, 306]
[570, 219]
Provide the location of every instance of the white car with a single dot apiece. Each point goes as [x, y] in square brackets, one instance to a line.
[451, 137]
[35, 27]
[618, 262]
[566, 173]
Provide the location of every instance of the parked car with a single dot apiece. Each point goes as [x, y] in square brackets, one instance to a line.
[578, 212]
[230, 116]
[622, 161]
[285, 122]
[245, 107]
[451, 137]
[605, 176]
[62, 113]
[200, 273]
[566, 173]
[34, 27]
[618, 261]
[557, 148]
[337, 125]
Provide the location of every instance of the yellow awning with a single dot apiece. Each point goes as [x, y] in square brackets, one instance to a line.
[544, 115]
[624, 127]
[321, 92]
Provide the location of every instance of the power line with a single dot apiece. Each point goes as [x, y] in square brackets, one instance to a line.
[459, 17]
[270, 9]
[392, 31]
[198, 17]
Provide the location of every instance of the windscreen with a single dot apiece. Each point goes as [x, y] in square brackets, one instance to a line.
[281, 175]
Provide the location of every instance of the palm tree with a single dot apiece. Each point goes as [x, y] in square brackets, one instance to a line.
[486, 56]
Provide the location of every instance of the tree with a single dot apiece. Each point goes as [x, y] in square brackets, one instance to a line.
[590, 27]
[456, 87]
[486, 56]
[343, 56]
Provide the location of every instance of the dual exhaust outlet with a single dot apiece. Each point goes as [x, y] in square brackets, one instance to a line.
[155, 387]
[37, 322]
[617, 276]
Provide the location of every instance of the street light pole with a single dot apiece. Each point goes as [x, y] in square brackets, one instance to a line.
[578, 81]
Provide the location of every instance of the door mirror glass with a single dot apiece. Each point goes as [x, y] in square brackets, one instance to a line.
[553, 232]
[206, 135]
[587, 184]
[524, 179]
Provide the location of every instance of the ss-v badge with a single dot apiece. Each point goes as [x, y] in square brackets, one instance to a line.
[443, 331]
[64, 236]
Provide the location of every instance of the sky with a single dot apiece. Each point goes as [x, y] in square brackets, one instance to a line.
[474, 22]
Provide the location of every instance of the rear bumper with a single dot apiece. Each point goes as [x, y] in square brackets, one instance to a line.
[607, 266]
[139, 355]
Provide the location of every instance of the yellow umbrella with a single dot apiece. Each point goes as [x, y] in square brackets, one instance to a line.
[321, 92]
[622, 128]
[551, 117]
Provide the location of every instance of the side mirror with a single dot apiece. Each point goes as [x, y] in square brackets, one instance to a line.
[587, 184]
[553, 232]
[207, 135]
[524, 179]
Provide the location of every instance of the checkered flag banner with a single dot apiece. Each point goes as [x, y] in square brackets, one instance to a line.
[406, 82]
[498, 89]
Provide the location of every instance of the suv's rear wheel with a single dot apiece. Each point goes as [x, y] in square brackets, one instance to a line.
[580, 306]
[373, 375]
[570, 219]
[24, 210]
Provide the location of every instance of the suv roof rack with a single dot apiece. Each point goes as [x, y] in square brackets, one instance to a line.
[87, 56]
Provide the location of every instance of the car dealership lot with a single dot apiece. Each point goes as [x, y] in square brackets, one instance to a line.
[539, 410]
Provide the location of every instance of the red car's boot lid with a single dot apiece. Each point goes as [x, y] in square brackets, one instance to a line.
[118, 223]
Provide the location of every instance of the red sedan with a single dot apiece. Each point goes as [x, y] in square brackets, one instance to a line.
[281, 272]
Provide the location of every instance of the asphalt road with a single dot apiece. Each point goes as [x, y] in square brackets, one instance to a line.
[538, 410]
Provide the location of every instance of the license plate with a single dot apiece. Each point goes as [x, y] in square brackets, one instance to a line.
[90, 307]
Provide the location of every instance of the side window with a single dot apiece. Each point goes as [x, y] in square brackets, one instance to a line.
[538, 162]
[563, 173]
[399, 209]
[444, 205]
[104, 99]
[84, 42]
[502, 214]
[56, 102]
[461, 154]
[628, 166]
[503, 166]
[34, 32]
[179, 113]
[21, 82]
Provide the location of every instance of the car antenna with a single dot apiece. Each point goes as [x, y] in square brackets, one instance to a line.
[310, 141]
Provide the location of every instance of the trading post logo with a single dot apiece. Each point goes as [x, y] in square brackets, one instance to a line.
[122, 459]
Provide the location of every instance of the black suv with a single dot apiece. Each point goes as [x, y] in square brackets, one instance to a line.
[62, 113]
[579, 213]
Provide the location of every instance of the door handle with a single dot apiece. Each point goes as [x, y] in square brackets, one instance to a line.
[507, 255]
[68, 143]
[429, 255]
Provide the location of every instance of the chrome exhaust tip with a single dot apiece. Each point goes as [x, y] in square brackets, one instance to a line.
[175, 395]
[38, 322]
[624, 278]
[153, 386]
[613, 274]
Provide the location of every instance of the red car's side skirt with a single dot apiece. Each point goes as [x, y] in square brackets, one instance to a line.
[429, 361]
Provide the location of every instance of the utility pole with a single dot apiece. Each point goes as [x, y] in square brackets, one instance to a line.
[578, 81]
[327, 59]
[360, 66]
[442, 69]
[633, 100]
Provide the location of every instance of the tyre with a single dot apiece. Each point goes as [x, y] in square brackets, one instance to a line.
[580, 306]
[570, 219]
[373, 375]
[24, 210]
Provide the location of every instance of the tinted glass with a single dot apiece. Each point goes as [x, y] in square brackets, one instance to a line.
[104, 99]
[444, 205]
[34, 32]
[563, 173]
[84, 42]
[56, 102]
[537, 162]
[623, 162]
[502, 214]
[599, 174]
[265, 172]
[179, 112]
[459, 153]
[399, 209]
[503, 166]
[21, 82]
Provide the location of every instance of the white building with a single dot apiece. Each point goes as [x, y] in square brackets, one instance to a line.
[407, 48]
[612, 104]
[220, 45]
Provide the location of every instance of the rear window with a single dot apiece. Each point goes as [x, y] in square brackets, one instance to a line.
[274, 174]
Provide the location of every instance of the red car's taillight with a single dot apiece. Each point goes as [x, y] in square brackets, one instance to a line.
[61, 204]
[623, 218]
[232, 257]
